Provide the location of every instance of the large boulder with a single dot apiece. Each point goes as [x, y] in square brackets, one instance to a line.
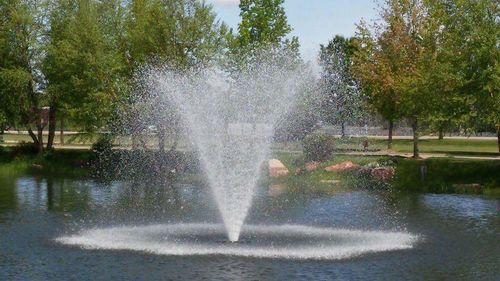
[277, 169]
[383, 174]
[344, 166]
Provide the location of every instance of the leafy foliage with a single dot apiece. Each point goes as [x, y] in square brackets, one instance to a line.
[318, 147]
[342, 102]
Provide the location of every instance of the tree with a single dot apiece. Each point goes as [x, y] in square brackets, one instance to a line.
[342, 101]
[263, 22]
[182, 34]
[374, 69]
[263, 32]
[21, 83]
[82, 65]
[400, 55]
[469, 38]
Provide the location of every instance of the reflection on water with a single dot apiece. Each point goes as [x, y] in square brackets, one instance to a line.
[460, 233]
[462, 206]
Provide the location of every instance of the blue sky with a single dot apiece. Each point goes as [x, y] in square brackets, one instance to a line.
[314, 21]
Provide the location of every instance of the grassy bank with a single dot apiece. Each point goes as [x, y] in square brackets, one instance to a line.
[477, 147]
[435, 175]
[20, 160]
[448, 175]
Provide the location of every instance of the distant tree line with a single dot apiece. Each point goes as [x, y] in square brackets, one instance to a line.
[79, 57]
[433, 63]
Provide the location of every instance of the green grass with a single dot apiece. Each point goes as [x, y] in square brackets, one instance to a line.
[314, 181]
[68, 163]
[448, 175]
[446, 146]
[450, 146]
[444, 175]
[69, 139]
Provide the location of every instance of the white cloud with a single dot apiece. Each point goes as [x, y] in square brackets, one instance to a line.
[225, 2]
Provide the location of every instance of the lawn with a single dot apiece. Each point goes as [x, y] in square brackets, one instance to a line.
[450, 146]
[441, 175]
[446, 146]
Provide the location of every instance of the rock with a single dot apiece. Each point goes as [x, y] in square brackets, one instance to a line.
[37, 167]
[299, 171]
[276, 189]
[311, 166]
[277, 169]
[384, 174]
[344, 166]
[364, 171]
[330, 181]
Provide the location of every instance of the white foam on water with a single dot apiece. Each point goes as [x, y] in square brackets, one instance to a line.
[303, 242]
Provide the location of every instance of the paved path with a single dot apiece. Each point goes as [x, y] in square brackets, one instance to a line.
[357, 153]
[422, 155]
[13, 132]
[423, 137]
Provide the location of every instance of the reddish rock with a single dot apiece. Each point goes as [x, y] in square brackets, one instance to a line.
[311, 166]
[344, 166]
[277, 169]
[383, 173]
[276, 189]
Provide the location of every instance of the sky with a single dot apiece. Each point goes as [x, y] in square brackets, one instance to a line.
[314, 22]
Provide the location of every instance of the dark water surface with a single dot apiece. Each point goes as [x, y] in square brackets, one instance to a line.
[459, 235]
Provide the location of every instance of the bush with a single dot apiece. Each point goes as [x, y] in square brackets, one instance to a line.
[318, 147]
[25, 148]
[102, 157]
[103, 147]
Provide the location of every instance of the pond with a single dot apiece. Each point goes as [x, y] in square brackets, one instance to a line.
[457, 236]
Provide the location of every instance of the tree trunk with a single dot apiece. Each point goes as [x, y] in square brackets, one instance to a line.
[342, 130]
[176, 142]
[498, 138]
[414, 126]
[33, 137]
[61, 135]
[441, 134]
[40, 137]
[161, 138]
[391, 128]
[52, 127]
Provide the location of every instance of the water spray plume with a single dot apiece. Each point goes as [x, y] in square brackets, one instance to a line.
[230, 118]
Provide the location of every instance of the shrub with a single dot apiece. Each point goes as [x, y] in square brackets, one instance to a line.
[318, 147]
[25, 148]
[102, 157]
[103, 147]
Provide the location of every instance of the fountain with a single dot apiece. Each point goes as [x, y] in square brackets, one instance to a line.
[230, 120]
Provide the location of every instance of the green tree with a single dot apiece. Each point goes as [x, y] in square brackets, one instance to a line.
[469, 53]
[183, 34]
[263, 31]
[342, 101]
[82, 65]
[21, 83]
[180, 33]
[263, 22]
[374, 68]
[394, 64]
